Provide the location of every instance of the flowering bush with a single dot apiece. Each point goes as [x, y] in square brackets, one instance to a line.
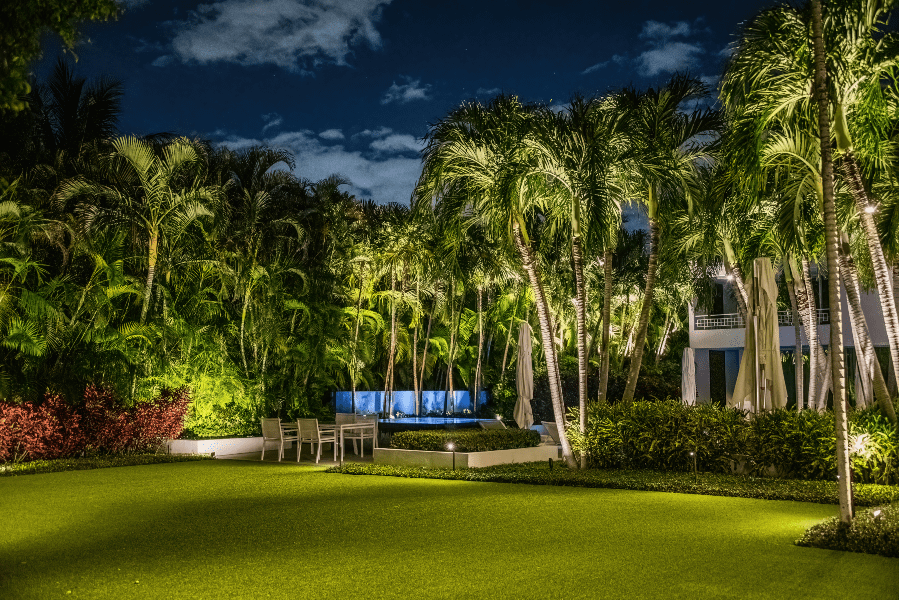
[56, 429]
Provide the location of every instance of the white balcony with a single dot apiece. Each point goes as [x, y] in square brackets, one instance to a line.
[735, 320]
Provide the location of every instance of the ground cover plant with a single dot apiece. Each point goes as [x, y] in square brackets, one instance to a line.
[232, 529]
[466, 440]
[85, 463]
[711, 484]
[874, 531]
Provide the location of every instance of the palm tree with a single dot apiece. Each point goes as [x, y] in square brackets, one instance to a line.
[665, 149]
[159, 197]
[580, 151]
[477, 166]
[833, 284]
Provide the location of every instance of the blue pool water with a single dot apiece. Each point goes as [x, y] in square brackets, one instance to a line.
[404, 402]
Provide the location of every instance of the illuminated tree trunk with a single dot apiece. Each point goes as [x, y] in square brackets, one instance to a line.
[643, 325]
[547, 338]
[797, 349]
[832, 243]
[606, 326]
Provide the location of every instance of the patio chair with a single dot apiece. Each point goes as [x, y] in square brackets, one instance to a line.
[552, 430]
[493, 424]
[272, 434]
[364, 434]
[310, 431]
[345, 419]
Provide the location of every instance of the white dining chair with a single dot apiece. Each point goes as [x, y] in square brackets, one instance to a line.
[309, 431]
[272, 434]
[345, 419]
[369, 433]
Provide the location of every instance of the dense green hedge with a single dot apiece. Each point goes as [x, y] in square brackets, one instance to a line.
[466, 440]
[874, 531]
[708, 484]
[661, 435]
[94, 462]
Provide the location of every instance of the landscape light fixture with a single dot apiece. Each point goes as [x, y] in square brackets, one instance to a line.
[452, 448]
[729, 277]
[870, 208]
[877, 514]
[499, 417]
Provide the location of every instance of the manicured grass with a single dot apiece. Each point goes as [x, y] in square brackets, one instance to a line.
[707, 484]
[94, 462]
[227, 529]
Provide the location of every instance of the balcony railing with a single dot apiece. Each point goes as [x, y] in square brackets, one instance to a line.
[735, 320]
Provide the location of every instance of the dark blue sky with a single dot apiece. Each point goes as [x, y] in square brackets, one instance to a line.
[350, 85]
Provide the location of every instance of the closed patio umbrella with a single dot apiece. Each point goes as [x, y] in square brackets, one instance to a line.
[524, 378]
[688, 377]
[760, 383]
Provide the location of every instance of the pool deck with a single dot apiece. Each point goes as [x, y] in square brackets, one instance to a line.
[306, 458]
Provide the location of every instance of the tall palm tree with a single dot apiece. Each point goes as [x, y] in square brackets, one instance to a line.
[833, 284]
[157, 196]
[580, 150]
[478, 168]
[665, 146]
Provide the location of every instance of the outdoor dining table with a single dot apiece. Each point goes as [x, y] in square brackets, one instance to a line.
[291, 427]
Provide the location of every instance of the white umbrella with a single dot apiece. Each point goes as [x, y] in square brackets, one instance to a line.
[524, 378]
[760, 383]
[688, 377]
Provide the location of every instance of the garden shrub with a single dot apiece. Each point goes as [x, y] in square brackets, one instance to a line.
[56, 429]
[466, 440]
[661, 435]
[874, 531]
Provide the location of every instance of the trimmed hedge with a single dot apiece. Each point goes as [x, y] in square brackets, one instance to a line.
[56, 429]
[660, 435]
[466, 440]
[95, 462]
[867, 533]
[708, 484]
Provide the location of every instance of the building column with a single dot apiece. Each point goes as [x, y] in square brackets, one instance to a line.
[703, 384]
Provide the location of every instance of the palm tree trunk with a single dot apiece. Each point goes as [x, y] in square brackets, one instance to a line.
[805, 296]
[353, 371]
[606, 326]
[243, 320]
[546, 334]
[664, 341]
[580, 307]
[640, 341]
[833, 261]
[732, 267]
[882, 274]
[424, 360]
[863, 346]
[152, 255]
[797, 328]
[388, 402]
[477, 371]
[415, 349]
[502, 370]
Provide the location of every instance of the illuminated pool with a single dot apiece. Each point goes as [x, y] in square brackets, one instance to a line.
[421, 423]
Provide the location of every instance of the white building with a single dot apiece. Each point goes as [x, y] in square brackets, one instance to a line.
[717, 336]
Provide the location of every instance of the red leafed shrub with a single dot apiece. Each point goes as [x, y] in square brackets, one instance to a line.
[49, 430]
[161, 418]
[55, 429]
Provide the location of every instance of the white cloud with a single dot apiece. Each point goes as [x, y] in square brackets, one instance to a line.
[385, 175]
[413, 90]
[297, 35]
[272, 120]
[375, 133]
[163, 61]
[331, 134]
[668, 58]
[488, 92]
[653, 30]
[595, 67]
[397, 143]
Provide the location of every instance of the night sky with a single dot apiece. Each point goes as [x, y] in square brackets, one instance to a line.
[350, 86]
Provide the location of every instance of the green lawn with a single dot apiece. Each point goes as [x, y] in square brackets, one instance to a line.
[227, 529]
